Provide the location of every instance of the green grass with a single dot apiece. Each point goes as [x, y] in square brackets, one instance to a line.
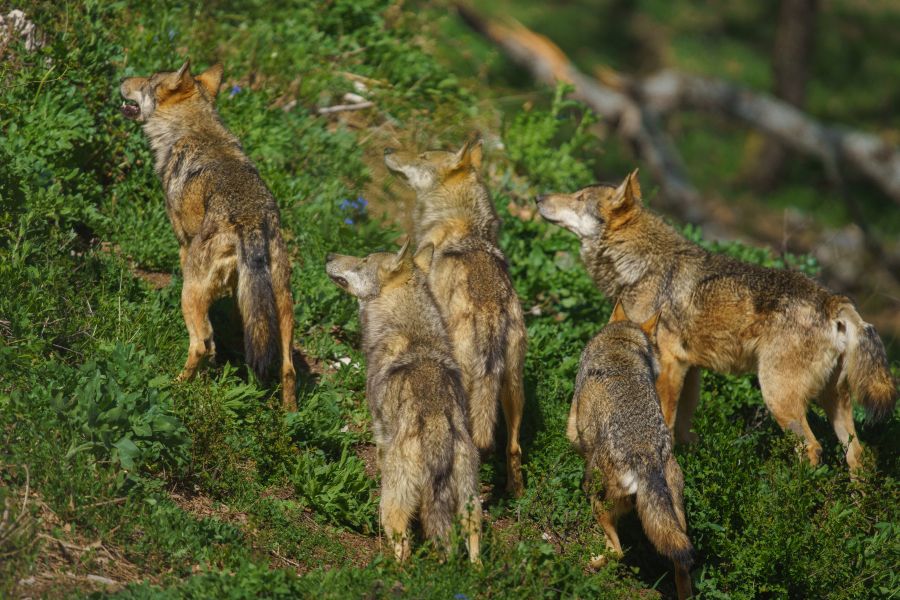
[204, 489]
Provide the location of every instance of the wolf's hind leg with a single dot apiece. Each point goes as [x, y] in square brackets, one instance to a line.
[607, 512]
[281, 285]
[787, 397]
[683, 586]
[196, 298]
[395, 518]
[512, 397]
[837, 404]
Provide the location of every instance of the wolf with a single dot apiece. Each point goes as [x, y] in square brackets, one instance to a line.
[470, 281]
[719, 313]
[416, 398]
[225, 219]
[616, 424]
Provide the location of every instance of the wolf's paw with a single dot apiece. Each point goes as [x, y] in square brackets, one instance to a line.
[598, 561]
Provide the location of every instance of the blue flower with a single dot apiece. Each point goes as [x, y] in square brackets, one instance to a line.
[346, 203]
[460, 597]
[171, 34]
[235, 90]
[361, 202]
[348, 221]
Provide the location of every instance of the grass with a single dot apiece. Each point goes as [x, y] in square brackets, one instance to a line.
[204, 489]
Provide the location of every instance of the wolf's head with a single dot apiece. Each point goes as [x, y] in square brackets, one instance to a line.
[426, 171]
[144, 96]
[594, 210]
[369, 277]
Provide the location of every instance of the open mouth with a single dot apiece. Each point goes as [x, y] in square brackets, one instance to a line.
[131, 110]
[339, 281]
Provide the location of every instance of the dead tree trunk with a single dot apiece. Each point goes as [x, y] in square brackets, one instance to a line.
[791, 68]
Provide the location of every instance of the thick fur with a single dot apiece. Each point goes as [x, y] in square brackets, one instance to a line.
[256, 302]
[722, 314]
[617, 425]
[224, 217]
[416, 397]
[471, 284]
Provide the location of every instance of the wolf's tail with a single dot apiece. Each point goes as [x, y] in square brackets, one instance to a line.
[483, 402]
[438, 497]
[663, 520]
[865, 364]
[256, 302]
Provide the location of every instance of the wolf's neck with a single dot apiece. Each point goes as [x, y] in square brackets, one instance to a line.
[443, 216]
[166, 129]
[399, 319]
[626, 257]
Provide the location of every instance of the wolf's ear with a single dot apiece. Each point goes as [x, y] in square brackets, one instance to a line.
[181, 76]
[628, 193]
[401, 258]
[618, 313]
[211, 79]
[650, 326]
[423, 257]
[472, 152]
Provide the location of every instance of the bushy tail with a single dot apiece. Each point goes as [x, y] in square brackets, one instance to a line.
[662, 520]
[438, 497]
[483, 401]
[256, 302]
[866, 365]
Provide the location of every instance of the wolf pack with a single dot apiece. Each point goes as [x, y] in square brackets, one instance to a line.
[444, 334]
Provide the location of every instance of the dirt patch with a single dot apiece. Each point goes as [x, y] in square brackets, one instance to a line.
[368, 453]
[157, 279]
[66, 559]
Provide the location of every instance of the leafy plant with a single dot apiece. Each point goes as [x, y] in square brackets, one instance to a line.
[338, 490]
[120, 412]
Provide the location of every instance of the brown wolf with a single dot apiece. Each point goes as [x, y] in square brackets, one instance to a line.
[416, 398]
[470, 281]
[729, 316]
[224, 217]
[616, 424]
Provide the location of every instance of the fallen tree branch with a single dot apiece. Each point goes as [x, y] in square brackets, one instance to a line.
[637, 106]
[669, 90]
[640, 128]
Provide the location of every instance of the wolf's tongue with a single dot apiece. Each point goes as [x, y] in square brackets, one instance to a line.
[130, 111]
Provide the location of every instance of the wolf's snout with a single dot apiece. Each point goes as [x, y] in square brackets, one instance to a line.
[389, 151]
[330, 256]
[540, 198]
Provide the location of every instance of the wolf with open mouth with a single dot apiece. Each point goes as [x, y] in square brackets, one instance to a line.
[225, 219]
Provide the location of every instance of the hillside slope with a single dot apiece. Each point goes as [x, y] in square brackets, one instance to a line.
[117, 481]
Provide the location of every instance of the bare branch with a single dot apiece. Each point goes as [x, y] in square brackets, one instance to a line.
[640, 128]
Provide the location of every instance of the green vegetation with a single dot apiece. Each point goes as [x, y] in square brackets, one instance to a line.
[204, 489]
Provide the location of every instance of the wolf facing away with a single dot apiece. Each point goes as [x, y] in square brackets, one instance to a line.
[225, 219]
[616, 424]
[722, 314]
[416, 399]
[470, 281]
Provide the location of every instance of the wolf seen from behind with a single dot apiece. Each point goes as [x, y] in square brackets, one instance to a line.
[416, 399]
[225, 219]
[471, 284]
[616, 424]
